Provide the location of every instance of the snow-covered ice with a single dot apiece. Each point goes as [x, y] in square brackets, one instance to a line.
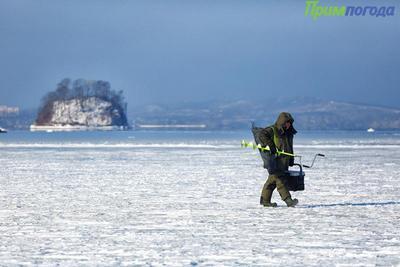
[195, 202]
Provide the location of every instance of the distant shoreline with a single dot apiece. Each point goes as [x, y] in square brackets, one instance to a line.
[67, 128]
[170, 126]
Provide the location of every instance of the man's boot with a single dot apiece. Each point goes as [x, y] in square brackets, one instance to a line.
[266, 200]
[291, 202]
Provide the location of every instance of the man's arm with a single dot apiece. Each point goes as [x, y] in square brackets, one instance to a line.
[267, 139]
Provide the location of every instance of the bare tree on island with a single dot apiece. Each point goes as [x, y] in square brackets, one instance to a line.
[81, 90]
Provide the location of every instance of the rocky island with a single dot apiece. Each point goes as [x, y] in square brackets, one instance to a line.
[82, 105]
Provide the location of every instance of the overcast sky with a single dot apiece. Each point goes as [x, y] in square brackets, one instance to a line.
[168, 51]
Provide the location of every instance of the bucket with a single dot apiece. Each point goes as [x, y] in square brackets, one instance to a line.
[295, 179]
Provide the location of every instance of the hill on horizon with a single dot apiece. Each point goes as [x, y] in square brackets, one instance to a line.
[309, 113]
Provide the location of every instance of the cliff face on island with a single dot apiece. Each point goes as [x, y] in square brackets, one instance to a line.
[87, 104]
[89, 112]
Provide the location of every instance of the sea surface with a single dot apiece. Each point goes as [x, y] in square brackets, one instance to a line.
[191, 198]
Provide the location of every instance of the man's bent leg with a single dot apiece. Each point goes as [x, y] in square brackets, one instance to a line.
[281, 187]
[267, 191]
[284, 192]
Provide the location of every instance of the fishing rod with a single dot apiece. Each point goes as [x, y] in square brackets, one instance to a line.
[279, 152]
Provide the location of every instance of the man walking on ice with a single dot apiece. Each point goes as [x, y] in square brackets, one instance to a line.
[278, 137]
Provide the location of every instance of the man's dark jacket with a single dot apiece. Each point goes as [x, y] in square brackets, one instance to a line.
[277, 137]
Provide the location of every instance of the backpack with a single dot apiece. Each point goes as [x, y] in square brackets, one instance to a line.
[268, 159]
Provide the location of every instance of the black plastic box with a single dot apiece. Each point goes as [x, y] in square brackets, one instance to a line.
[295, 179]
